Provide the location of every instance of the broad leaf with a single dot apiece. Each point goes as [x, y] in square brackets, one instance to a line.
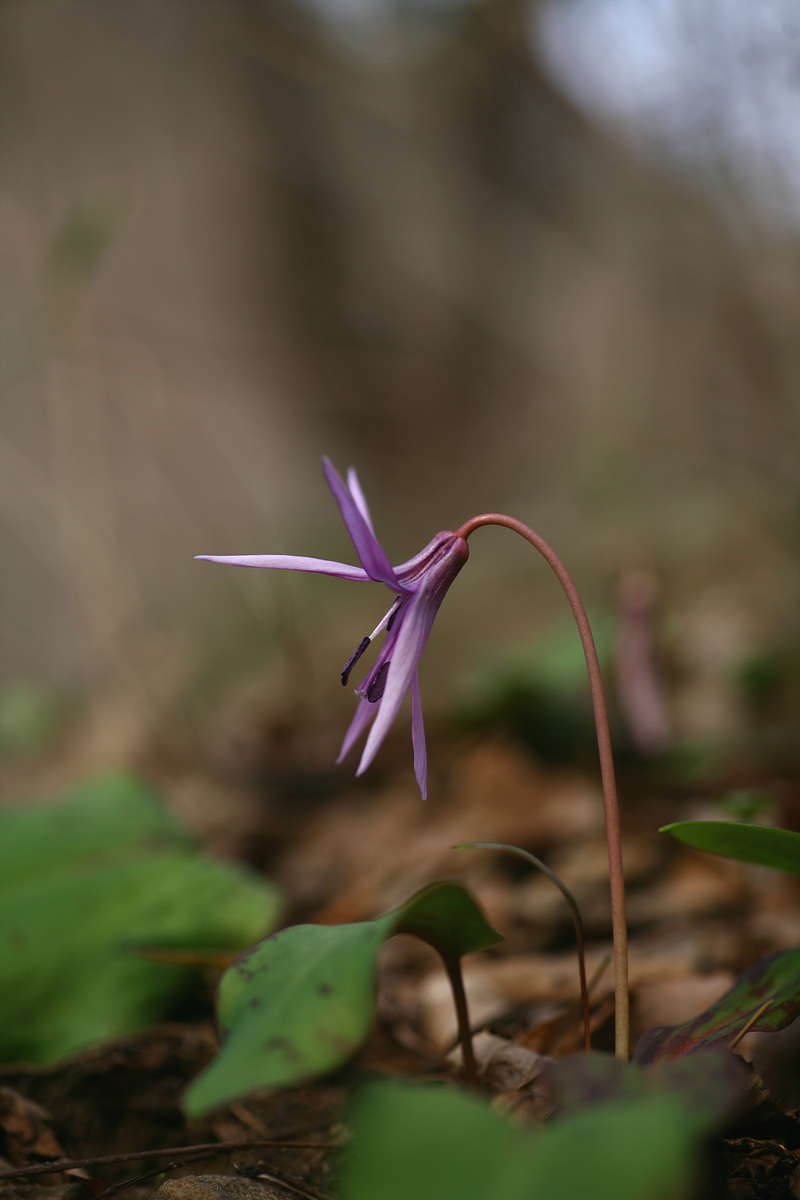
[107, 814]
[778, 848]
[434, 1143]
[776, 978]
[302, 1001]
[86, 881]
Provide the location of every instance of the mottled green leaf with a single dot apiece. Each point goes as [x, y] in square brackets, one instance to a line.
[86, 881]
[778, 848]
[302, 1001]
[776, 979]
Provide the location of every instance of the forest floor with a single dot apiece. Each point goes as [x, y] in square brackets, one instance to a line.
[344, 850]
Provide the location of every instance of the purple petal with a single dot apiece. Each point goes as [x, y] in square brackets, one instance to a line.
[359, 497]
[371, 553]
[418, 738]
[363, 715]
[403, 648]
[405, 655]
[415, 569]
[290, 562]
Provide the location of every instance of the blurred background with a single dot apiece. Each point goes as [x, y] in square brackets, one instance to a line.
[535, 256]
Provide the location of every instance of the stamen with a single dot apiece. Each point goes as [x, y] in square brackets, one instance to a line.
[388, 619]
[397, 606]
[353, 659]
[386, 623]
[378, 685]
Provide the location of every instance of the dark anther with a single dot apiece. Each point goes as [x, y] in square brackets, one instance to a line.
[378, 685]
[395, 611]
[353, 659]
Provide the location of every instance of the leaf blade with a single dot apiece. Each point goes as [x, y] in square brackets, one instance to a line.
[90, 878]
[301, 1002]
[776, 978]
[759, 844]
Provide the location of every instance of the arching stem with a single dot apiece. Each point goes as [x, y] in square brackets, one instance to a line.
[576, 917]
[613, 838]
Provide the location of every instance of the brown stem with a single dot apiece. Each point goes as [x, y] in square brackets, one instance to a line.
[576, 917]
[453, 968]
[613, 836]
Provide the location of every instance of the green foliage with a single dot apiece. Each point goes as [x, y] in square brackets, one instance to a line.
[778, 848]
[83, 241]
[744, 804]
[84, 882]
[776, 979]
[434, 1143]
[539, 692]
[302, 1001]
[30, 717]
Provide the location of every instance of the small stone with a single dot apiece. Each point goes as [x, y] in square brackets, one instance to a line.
[220, 1187]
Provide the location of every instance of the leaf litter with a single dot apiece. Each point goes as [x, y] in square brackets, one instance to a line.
[696, 924]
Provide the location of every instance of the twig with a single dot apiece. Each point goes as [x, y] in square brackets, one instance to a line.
[291, 1187]
[746, 1028]
[114, 1188]
[204, 1148]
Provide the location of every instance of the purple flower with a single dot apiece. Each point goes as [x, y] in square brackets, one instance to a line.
[419, 584]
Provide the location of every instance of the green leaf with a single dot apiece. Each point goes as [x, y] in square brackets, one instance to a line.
[301, 1002]
[434, 1143]
[109, 814]
[778, 848]
[83, 240]
[776, 978]
[86, 881]
[538, 691]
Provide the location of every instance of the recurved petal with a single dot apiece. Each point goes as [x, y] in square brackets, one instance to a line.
[290, 562]
[405, 655]
[444, 549]
[354, 488]
[371, 553]
[363, 715]
[418, 738]
[403, 649]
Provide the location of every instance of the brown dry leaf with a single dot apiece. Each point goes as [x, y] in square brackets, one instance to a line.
[583, 866]
[501, 794]
[495, 985]
[402, 844]
[123, 1094]
[27, 1133]
[503, 1066]
[28, 1139]
[561, 1032]
[691, 887]
[25, 1189]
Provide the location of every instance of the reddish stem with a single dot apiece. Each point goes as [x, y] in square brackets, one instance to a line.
[613, 838]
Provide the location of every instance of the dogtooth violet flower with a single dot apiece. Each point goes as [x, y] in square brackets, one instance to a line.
[419, 586]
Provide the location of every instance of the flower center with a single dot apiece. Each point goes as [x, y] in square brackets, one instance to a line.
[386, 623]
